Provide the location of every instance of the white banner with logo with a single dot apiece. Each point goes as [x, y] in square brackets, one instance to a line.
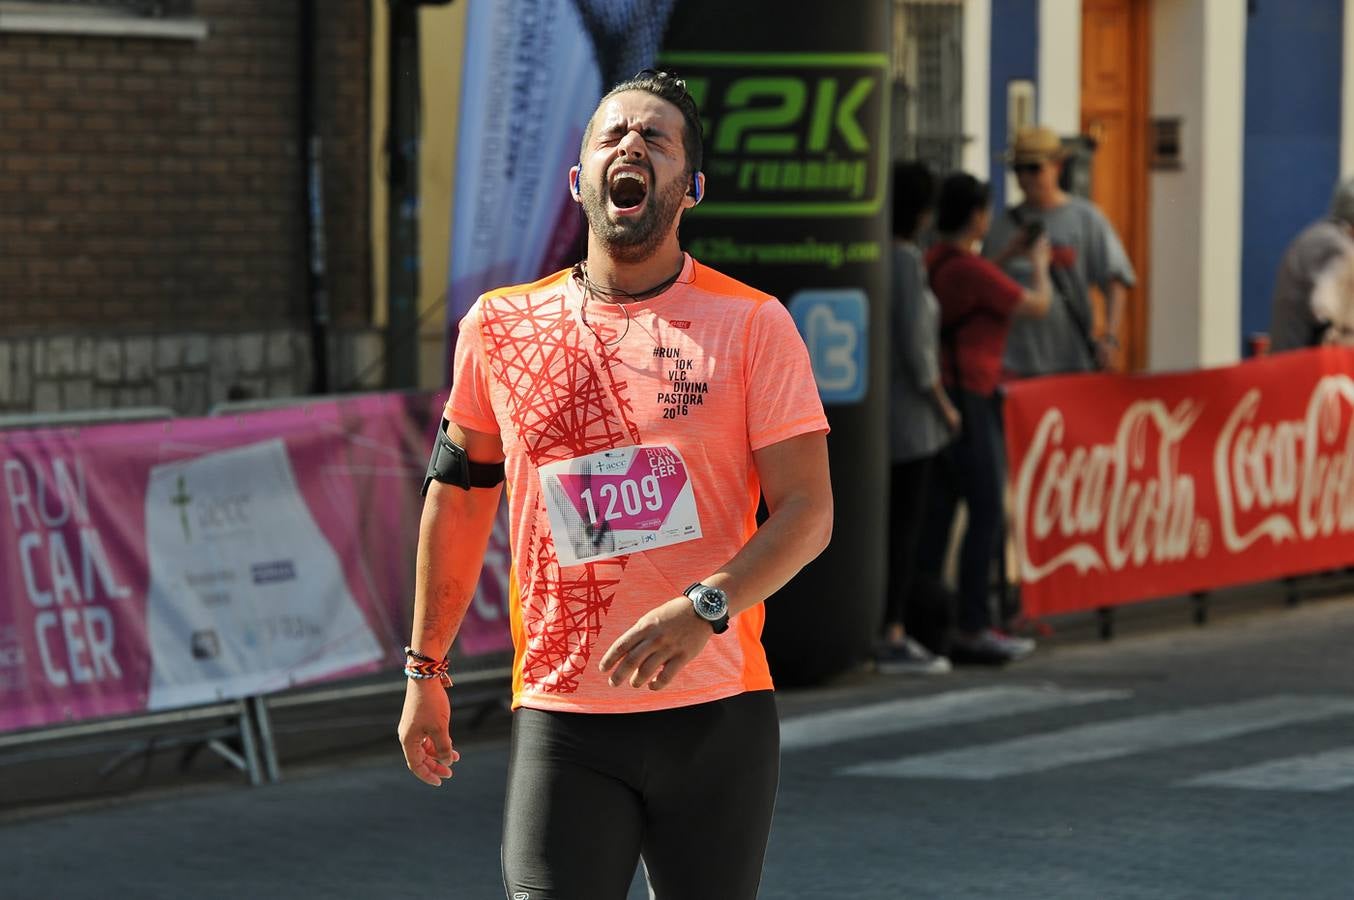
[246, 595]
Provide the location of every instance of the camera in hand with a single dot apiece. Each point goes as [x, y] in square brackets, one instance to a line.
[1034, 230]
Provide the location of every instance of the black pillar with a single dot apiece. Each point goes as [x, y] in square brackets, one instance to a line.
[795, 98]
[402, 140]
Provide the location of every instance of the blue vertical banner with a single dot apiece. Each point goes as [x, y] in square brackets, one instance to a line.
[518, 135]
[533, 73]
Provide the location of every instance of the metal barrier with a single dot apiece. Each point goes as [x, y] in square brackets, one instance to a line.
[479, 686]
[236, 712]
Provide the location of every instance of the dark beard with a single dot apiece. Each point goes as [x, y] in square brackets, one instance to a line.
[637, 239]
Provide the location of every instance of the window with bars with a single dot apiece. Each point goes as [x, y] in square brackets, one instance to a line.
[927, 69]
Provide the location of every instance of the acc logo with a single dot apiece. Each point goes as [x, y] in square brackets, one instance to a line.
[835, 326]
[615, 461]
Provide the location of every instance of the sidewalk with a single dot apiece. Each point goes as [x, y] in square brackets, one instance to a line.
[349, 821]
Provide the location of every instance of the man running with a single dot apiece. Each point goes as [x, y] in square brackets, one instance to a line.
[640, 404]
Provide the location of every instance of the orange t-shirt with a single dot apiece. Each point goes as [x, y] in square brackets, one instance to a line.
[709, 367]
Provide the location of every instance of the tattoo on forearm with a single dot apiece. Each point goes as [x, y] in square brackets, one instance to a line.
[444, 605]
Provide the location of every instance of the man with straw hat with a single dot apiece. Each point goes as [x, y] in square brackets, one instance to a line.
[1086, 252]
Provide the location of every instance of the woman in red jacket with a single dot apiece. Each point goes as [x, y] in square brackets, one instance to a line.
[977, 303]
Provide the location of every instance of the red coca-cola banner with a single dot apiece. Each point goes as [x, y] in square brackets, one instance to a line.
[1129, 488]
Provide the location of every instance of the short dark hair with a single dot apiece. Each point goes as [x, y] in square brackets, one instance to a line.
[665, 86]
[914, 195]
[961, 195]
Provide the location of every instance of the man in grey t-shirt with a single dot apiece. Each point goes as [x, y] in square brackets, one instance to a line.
[1086, 252]
[1315, 255]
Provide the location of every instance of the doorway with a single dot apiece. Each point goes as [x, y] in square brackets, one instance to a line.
[1115, 61]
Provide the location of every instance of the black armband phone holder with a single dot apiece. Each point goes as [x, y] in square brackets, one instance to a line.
[450, 465]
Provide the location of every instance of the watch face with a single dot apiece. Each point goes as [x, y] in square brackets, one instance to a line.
[711, 603]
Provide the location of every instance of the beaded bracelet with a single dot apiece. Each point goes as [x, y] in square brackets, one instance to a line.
[410, 651]
[420, 667]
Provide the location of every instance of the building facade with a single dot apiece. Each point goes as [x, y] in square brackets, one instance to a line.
[154, 238]
[153, 228]
[1222, 128]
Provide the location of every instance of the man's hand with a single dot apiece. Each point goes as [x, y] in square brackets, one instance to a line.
[1040, 252]
[1106, 350]
[425, 731]
[654, 649]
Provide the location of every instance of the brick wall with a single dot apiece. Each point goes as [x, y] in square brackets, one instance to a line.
[151, 188]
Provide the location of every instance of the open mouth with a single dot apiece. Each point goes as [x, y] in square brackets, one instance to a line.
[627, 190]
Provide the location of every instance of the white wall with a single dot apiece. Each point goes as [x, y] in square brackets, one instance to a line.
[1198, 75]
[977, 158]
[1059, 88]
[1224, 141]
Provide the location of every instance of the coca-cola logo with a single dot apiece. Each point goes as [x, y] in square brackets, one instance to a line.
[1128, 503]
[1288, 479]
[1120, 504]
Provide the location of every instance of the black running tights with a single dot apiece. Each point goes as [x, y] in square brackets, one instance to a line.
[689, 789]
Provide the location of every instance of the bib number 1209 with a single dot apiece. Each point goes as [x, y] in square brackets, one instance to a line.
[632, 497]
[618, 501]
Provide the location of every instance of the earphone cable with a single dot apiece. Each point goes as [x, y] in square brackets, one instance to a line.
[609, 294]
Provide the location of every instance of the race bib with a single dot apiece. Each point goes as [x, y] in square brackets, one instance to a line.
[619, 501]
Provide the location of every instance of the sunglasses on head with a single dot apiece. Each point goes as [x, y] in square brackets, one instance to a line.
[662, 76]
[1026, 168]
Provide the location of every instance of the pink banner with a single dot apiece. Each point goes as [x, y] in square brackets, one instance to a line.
[160, 565]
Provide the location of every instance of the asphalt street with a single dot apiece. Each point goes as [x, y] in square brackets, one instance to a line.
[1174, 761]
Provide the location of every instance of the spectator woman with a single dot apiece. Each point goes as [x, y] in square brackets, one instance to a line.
[977, 304]
[922, 420]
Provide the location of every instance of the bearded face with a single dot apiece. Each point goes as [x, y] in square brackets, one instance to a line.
[628, 213]
[634, 176]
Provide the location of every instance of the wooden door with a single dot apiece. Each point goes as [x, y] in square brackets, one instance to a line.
[1114, 102]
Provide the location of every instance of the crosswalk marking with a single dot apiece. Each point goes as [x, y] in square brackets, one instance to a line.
[1108, 740]
[1329, 771]
[917, 713]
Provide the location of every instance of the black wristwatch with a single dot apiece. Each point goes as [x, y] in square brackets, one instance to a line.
[711, 604]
